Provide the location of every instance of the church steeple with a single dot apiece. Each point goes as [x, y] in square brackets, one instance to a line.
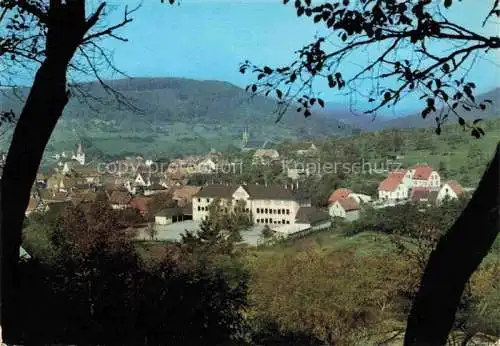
[80, 155]
[245, 138]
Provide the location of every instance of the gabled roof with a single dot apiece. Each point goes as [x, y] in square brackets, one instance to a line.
[338, 194]
[456, 187]
[391, 183]
[311, 215]
[349, 204]
[422, 172]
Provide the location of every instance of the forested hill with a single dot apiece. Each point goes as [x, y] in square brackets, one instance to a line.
[178, 116]
[175, 115]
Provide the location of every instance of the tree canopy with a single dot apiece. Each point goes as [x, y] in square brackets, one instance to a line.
[434, 67]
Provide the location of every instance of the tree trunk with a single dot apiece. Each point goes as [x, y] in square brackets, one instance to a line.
[38, 119]
[457, 255]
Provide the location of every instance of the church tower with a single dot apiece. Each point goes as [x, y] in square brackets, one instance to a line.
[80, 155]
[244, 142]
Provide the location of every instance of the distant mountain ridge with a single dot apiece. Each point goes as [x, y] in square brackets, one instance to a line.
[180, 115]
[413, 120]
[416, 120]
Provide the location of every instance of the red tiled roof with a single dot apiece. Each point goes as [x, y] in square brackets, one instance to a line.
[349, 204]
[391, 182]
[422, 172]
[338, 195]
[456, 187]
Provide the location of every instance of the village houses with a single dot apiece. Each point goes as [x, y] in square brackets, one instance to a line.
[265, 156]
[424, 176]
[346, 208]
[449, 190]
[394, 187]
[346, 204]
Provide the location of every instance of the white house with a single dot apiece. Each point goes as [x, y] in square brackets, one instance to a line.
[168, 216]
[393, 188]
[449, 190]
[424, 176]
[347, 208]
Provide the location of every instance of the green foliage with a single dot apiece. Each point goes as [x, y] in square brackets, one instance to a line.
[97, 290]
[407, 219]
[267, 232]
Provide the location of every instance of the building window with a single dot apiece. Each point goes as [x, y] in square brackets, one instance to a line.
[288, 212]
[199, 199]
[288, 222]
[247, 210]
[199, 208]
[266, 211]
[283, 211]
[208, 200]
[279, 211]
[283, 221]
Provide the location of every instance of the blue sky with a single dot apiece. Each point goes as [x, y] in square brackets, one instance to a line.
[207, 39]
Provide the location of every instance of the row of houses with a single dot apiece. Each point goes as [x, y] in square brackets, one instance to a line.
[420, 184]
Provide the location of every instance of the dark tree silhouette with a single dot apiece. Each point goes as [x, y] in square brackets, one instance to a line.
[384, 29]
[436, 74]
[48, 34]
